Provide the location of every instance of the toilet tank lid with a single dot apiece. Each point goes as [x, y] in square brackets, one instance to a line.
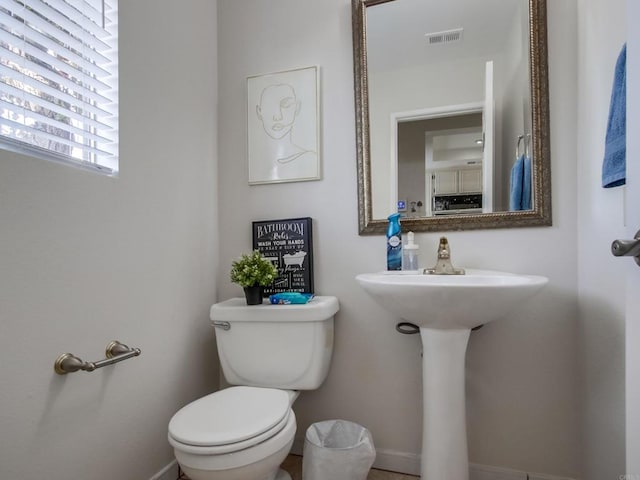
[229, 416]
[236, 310]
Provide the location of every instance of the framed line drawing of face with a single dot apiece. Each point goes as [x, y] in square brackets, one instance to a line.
[283, 126]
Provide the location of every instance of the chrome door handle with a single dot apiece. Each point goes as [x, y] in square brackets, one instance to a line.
[627, 248]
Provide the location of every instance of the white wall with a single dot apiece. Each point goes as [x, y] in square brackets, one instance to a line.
[601, 34]
[523, 387]
[86, 259]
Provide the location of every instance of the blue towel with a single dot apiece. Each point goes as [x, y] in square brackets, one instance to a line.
[517, 184]
[525, 204]
[615, 150]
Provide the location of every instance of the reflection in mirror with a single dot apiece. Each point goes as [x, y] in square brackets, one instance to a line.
[452, 113]
[439, 165]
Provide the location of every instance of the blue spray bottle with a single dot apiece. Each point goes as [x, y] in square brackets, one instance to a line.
[394, 243]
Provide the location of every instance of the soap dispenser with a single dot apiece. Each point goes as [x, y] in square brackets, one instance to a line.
[410, 254]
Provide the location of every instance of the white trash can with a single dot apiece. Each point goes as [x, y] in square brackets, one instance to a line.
[337, 450]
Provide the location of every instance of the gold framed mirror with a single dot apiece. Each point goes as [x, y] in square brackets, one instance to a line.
[465, 187]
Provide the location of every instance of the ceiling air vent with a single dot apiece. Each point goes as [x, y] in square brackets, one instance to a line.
[448, 36]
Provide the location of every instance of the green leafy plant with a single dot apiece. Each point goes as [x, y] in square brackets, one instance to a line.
[252, 270]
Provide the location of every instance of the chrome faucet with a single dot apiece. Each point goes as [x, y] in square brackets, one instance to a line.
[443, 264]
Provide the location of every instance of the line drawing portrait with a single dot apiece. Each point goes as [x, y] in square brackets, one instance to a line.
[283, 126]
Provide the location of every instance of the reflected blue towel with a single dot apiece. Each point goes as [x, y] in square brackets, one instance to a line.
[615, 150]
[525, 204]
[517, 184]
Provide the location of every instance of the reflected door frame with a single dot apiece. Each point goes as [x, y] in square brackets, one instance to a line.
[428, 114]
[489, 140]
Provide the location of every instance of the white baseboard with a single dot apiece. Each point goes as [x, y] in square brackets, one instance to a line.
[409, 463]
[484, 472]
[170, 472]
[395, 461]
[542, 476]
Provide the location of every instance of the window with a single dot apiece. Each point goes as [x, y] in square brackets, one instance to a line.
[59, 80]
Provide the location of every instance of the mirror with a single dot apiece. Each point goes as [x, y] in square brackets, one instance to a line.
[452, 114]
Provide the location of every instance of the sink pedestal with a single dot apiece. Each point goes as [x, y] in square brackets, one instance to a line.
[444, 429]
[446, 308]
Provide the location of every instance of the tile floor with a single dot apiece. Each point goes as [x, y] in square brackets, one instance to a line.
[293, 465]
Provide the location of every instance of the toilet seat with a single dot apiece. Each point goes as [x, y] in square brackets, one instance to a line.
[275, 447]
[230, 420]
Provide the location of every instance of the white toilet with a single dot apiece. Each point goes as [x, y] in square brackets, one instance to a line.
[270, 352]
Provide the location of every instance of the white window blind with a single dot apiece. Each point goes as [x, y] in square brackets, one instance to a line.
[59, 80]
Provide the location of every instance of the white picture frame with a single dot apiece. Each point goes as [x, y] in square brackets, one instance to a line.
[283, 126]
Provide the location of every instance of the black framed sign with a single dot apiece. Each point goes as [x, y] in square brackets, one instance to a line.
[288, 244]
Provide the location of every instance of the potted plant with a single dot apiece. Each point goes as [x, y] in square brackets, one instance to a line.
[253, 272]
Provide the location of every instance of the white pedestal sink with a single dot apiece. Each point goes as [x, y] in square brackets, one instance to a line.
[446, 308]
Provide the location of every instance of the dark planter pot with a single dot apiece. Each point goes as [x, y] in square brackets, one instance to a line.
[253, 295]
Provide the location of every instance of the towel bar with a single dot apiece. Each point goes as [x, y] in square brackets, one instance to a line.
[115, 352]
[518, 142]
[527, 145]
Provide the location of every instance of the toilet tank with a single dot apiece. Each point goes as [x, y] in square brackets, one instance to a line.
[276, 346]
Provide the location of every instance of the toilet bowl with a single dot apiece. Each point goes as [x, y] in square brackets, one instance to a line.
[240, 433]
[269, 353]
